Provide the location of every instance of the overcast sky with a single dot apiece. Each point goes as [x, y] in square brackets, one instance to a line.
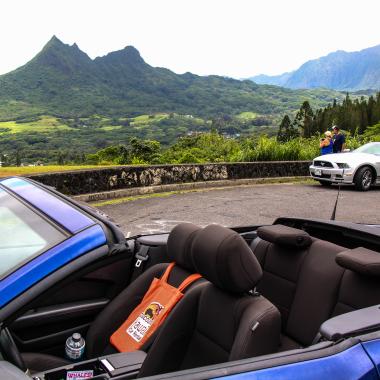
[237, 38]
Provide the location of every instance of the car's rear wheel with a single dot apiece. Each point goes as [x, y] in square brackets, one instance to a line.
[325, 183]
[363, 179]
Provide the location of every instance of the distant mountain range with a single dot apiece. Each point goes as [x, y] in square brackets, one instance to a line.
[339, 71]
[62, 80]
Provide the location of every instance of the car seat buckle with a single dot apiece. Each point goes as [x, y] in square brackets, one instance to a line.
[141, 256]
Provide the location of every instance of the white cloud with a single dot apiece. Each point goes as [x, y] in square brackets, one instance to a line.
[237, 38]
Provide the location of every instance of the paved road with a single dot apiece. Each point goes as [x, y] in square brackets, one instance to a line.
[244, 205]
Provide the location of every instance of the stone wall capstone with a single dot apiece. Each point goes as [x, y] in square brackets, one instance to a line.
[122, 177]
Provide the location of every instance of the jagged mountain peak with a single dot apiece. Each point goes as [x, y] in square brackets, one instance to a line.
[127, 56]
[54, 55]
[131, 50]
[63, 79]
[56, 46]
[54, 40]
[53, 44]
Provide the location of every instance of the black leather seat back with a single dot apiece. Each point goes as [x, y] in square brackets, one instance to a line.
[360, 283]
[218, 321]
[300, 277]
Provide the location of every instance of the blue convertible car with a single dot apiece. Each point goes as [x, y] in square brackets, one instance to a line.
[299, 299]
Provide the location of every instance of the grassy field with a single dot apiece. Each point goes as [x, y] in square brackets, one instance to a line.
[25, 170]
[145, 119]
[47, 124]
[44, 124]
[246, 116]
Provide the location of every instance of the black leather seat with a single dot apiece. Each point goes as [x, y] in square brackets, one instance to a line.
[311, 280]
[359, 287]
[118, 310]
[218, 321]
[300, 277]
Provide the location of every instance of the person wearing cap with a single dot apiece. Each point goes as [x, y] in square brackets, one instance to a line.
[326, 144]
[338, 140]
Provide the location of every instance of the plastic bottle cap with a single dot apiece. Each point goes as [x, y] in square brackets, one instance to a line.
[76, 337]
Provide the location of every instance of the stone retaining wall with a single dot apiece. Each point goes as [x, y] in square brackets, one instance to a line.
[123, 177]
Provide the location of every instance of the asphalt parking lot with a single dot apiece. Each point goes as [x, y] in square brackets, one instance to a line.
[244, 205]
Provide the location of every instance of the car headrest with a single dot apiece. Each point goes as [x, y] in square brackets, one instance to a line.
[223, 257]
[360, 260]
[179, 244]
[283, 235]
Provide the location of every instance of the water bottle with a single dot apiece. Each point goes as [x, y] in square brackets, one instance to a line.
[75, 347]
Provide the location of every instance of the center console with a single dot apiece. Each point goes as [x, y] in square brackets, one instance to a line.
[116, 366]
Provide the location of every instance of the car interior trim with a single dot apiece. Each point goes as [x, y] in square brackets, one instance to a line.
[23, 299]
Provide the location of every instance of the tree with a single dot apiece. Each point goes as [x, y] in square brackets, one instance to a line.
[18, 157]
[287, 130]
[144, 150]
[61, 158]
[304, 120]
[4, 160]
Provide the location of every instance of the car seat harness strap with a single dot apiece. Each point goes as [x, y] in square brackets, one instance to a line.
[154, 308]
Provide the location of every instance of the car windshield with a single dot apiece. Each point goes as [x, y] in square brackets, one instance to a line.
[371, 148]
[24, 234]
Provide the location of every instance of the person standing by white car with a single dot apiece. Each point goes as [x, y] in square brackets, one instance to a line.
[339, 140]
[326, 144]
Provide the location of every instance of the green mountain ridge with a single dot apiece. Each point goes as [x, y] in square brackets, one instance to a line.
[62, 80]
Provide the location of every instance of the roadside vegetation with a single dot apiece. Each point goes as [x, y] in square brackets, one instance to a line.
[296, 139]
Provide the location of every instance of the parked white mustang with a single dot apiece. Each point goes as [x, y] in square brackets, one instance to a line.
[360, 167]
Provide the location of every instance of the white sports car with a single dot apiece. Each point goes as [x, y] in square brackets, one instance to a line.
[360, 167]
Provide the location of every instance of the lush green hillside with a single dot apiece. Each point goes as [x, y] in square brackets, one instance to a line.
[51, 139]
[62, 80]
[62, 105]
[339, 70]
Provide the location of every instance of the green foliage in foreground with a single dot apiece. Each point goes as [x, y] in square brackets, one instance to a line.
[51, 139]
[212, 147]
[206, 148]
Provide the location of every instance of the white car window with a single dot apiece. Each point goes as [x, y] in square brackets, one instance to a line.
[369, 148]
[24, 233]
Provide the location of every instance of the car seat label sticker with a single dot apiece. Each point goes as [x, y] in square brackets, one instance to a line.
[79, 375]
[144, 321]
